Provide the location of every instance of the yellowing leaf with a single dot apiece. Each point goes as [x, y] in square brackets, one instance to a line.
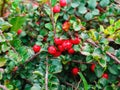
[2, 61]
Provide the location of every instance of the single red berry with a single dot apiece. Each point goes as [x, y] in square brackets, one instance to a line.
[92, 67]
[38, 23]
[58, 41]
[15, 69]
[56, 9]
[67, 44]
[57, 54]
[52, 50]
[19, 31]
[36, 48]
[60, 47]
[105, 75]
[71, 51]
[63, 3]
[76, 41]
[45, 39]
[75, 71]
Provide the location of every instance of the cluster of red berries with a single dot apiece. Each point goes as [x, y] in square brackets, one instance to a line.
[62, 3]
[63, 45]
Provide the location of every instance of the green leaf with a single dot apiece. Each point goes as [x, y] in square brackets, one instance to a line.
[1, 75]
[102, 62]
[82, 9]
[55, 66]
[117, 40]
[2, 61]
[98, 71]
[104, 3]
[49, 26]
[83, 67]
[113, 69]
[84, 81]
[95, 12]
[4, 25]
[17, 22]
[35, 87]
[92, 4]
[53, 2]
[88, 16]
[5, 47]
[56, 17]
[76, 26]
[103, 81]
[75, 3]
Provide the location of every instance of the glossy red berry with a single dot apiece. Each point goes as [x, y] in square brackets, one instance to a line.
[76, 41]
[67, 44]
[19, 31]
[56, 9]
[45, 39]
[60, 47]
[71, 51]
[75, 71]
[92, 67]
[58, 41]
[105, 75]
[15, 68]
[52, 50]
[63, 3]
[36, 48]
[57, 54]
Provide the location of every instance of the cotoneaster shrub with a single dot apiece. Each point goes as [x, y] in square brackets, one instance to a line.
[60, 45]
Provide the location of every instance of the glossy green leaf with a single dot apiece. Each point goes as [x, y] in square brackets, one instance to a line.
[17, 22]
[35, 87]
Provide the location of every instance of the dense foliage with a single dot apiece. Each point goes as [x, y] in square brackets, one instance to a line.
[60, 44]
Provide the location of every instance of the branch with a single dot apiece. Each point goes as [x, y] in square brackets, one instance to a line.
[79, 62]
[2, 8]
[46, 75]
[108, 53]
[78, 85]
[52, 19]
[3, 87]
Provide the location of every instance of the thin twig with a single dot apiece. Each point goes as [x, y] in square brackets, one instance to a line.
[46, 75]
[78, 85]
[52, 19]
[3, 87]
[79, 62]
[108, 53]
[2, 8]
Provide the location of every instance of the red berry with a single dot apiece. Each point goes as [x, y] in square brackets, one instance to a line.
[93, 67]
[76, 41]
[57, 54]
[63, 3]
[67, 44]
[60, 47]
[105, 75]
[52, 50]
[15, 69]
[75, 71]
[71, 51]
[58, 41]
[19, 31]
[45, 39]
[36, 48]
[56, 9]
[38, 23]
